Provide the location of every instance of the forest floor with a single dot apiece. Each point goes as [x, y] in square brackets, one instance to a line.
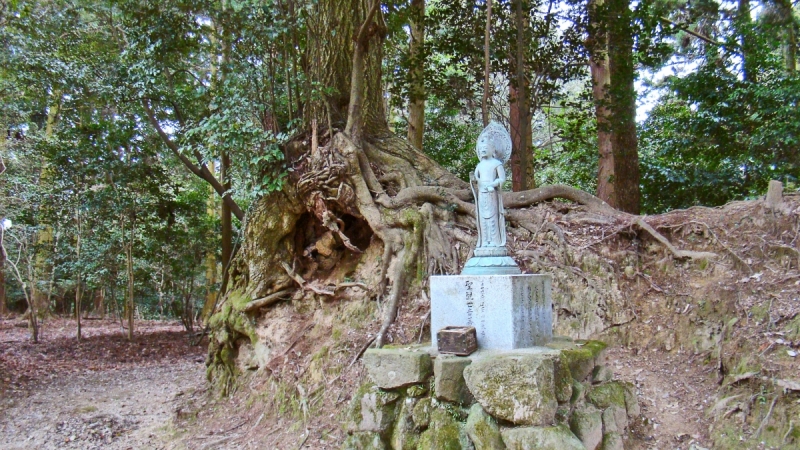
[109, 393]
[103, 392]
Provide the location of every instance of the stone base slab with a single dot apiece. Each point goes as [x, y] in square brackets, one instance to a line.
[507, 311]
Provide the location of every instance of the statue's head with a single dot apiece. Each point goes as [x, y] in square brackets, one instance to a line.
[485, 147]
[494, 142]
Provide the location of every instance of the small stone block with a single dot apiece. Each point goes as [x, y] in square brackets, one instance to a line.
[449, 384]
[460, 341]
[507, 311]
[394, 368]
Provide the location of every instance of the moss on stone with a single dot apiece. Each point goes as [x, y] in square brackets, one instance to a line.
[607, 394]
[405, 435]
[444, 433]
[563, 381]
[587, 424]
[578, 392]
[558, 437]
[580, 362]
[515, 388]
[612, 441]
[417, 390]
[422, 413]
[372, 409]
[363, 441]
[482, 429]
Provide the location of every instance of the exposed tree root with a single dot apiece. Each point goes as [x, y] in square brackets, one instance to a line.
[268, 300]
[678, 254]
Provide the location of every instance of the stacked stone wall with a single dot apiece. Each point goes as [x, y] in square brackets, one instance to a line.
[559, 397]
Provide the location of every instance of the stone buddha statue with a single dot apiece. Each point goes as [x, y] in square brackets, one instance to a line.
[491, 257]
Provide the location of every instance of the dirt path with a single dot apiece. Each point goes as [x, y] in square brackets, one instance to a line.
[674, 391]
[103, 393]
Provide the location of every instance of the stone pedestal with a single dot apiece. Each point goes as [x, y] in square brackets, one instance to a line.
[507, 311]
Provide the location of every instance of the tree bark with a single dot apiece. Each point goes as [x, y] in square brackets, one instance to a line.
[520, 114]
[416, 91]
[78, 290]
[331, 65]
[601, 80]
[521, 138]
[487, 64]
[225, 217]
[3, 307]
[744, 25]
[624, 142]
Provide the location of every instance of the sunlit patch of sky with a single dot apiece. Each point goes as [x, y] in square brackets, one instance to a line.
[650, 84]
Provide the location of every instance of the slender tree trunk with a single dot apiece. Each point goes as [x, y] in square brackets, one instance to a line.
[129, 270]
[101, 305]
[416, 100]
[624, 142]
[226, 219]
[3, 307]
[520, 114]
[45, 236]
[487, 64]
[601, 80]
[744, 25]
[78, 281]
[210, 262]
[789, 35]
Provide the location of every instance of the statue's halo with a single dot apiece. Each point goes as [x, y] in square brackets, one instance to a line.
[502, 140]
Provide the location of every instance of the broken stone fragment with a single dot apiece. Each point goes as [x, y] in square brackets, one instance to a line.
[394, 368]
[449, 384]
[515, 388]
[482, 430]
[587, 424]
[541, 438]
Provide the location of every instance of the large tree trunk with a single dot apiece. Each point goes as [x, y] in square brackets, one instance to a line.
[601, 80]
[611, 63]
[521, 138]
[520, 114]
[330, 63]
[623, 107]
[416, 91]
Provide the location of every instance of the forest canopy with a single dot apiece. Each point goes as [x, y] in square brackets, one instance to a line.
[136, 134]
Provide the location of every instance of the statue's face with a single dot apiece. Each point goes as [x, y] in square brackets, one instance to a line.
[485, 147]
